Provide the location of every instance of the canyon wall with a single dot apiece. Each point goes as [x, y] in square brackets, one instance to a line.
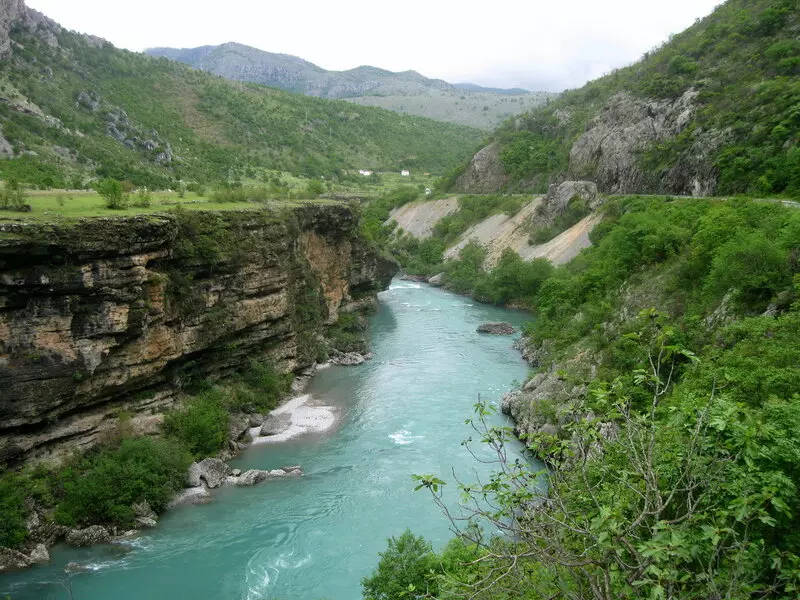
[110, 316]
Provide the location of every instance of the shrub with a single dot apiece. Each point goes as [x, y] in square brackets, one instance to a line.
[12, 511]
[111, 191]
[143, 198]
[407, 565]
[267, 385]
[102, 486]
[12, 197]
[202, 426]
[751, 264]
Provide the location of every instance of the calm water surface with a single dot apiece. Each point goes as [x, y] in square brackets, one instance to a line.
[315, 537]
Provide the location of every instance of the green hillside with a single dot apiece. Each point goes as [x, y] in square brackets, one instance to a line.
[723, 98]
[406, 92]
[80, 109]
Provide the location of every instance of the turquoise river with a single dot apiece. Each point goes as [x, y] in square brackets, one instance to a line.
[316, 536]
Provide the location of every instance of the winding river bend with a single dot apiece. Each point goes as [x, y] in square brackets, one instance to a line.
[315, 537]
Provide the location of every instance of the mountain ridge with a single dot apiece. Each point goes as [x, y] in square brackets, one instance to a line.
[405, 91]
[712, 111]
[74, 107]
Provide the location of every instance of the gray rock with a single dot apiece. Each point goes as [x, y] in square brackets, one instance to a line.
[40, 554]
[558, 196]
[6, 149]
[609, 151]
[195, 495]
[275, 424]
[13, 559]
[95, 534]
[496, 328]
[209, 471]
[252, 477]
[256, 420]
[436, 280]
[146, 522]
[143, 509]
[236, 472]
[485, 173]
[347, 359]
[238, 425]
[89, 100]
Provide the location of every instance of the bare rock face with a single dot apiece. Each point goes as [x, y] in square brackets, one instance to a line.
[498, 328]
[96, 534]
[485, 173]
[211, 472]
[40, 554]
[11, 13]
[610, 149]
[93, 322]
[559, 196]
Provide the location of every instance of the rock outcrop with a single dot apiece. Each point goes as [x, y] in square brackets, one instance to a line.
[497, 328]
[485, 173]
[95, 534]
[211, 472]
[113, 314]
[610, 150]
[15, 13]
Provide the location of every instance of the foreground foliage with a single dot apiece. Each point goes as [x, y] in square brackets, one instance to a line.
[674, 446]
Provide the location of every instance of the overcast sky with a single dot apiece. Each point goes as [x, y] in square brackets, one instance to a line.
[536, 44]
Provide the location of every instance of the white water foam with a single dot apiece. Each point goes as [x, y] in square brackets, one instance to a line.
[406, 285]
[262, 572]
[404, 437]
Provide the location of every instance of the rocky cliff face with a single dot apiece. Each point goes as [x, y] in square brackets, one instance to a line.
[14, 13]
[485, 173]
[610, 150]
[111, 316]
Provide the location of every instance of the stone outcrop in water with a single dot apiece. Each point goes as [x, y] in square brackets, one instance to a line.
[496, 328]
[88, 536]
[114, 314]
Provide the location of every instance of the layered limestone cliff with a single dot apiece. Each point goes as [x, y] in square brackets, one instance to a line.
[108, 316]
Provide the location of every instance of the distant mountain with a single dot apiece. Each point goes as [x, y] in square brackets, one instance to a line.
[406, 92]
[74, 108]
[471, 87]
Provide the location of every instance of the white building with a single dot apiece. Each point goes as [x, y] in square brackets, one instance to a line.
[405, 173]
[364, 173]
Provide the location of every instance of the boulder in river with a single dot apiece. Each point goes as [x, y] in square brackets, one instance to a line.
[193, 495]
[209, 471]
[436, 280]
[145, 516]
[13, 559]
[40, 554]
[347, 359]
[497, 328]
[275, 424]
[95, 534]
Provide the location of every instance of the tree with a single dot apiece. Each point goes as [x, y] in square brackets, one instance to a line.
[111, 191]
[405, 570]
[660, 490]
[12, 197]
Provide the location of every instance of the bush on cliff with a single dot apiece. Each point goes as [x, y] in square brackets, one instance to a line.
[202, 426]
[101, 486]
[12, 511]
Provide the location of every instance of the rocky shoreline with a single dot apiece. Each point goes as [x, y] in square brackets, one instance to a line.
[299, 415]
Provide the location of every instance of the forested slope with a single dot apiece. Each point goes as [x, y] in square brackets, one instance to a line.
[712, 111]
[74, 107]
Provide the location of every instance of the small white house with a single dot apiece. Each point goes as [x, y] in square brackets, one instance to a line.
[405, 173]
[428, 191]
[364, 173]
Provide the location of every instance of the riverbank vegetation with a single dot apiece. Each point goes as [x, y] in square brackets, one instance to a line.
[674, 429]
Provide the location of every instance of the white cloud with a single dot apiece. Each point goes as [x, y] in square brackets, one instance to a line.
[530, 43]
